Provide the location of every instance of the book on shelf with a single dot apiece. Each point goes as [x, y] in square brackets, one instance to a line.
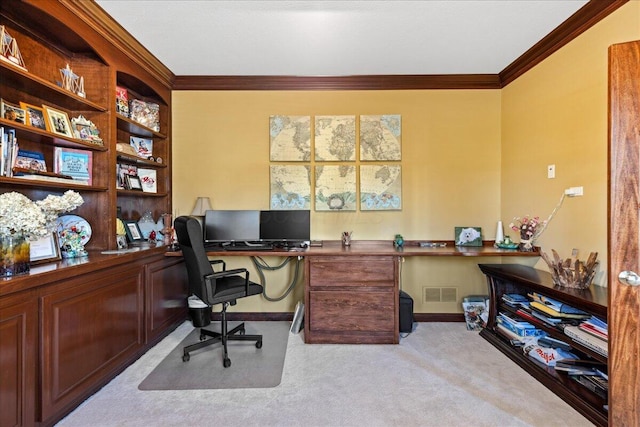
[515, 300]
[588, 340]
[8, 150]
[593, 331]
[142, 146]
[595, 383]
[31, 160]
[145, 113]
[76, 163]
[555, 305]
[582, 367]
[148, 178]
[523, 329]
[122, 101]
[545, 309]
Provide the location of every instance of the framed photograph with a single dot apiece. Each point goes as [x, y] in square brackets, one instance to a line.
[132, 182]
[45, 249]
[34, 116]
[58, 122]
[134, 234]
[468, 236]
[12, 112]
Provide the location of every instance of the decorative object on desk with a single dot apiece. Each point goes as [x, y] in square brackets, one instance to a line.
[9, 51]
[75, 163]
[468, 236]
[35, 116]
[571, 273]
[44, 249]
[24, 219]
[147, 224]
[121, 234]
[530, 229]
[398, 242]
[167, 231]
[134, 234]
[58, 121]
[15, 253]
[499, 232]
[346, 238]
[74, 232]
[12, 112]
[203, 204]
[85, 130]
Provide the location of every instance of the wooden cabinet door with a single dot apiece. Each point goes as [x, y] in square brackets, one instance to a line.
[166, 289]
[91, 327]
[624, 229]
[18, 350]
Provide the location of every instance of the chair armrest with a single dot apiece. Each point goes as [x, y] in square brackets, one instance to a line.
[226, 273]
[218, 261]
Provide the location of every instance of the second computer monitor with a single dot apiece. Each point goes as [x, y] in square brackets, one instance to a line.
[285, 225]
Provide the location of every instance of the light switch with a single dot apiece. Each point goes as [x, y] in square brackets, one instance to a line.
[551, 171]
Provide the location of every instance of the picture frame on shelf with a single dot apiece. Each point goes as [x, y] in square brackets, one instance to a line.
[12, 112]
[45, 249]
[34, 116]
[85, 130]
[148, 179]
[58, 121]
[132, 182]
[134, 234]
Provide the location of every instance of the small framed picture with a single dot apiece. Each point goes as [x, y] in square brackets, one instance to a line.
[45, 249]
[132, 182]
[12, 112]
[85, 130]
[35, 116]
[134, 234]
[468, 236]
[58, 121]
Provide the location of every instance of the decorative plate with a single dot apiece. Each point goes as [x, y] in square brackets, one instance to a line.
[71, 223]
[507, 246]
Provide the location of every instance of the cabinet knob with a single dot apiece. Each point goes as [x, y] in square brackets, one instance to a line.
[629, 278]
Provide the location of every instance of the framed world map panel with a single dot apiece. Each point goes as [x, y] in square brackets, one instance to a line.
[380, 137]
[336, 188]
[335, 138]
[290, 187]
[380, 187]
[290, 138]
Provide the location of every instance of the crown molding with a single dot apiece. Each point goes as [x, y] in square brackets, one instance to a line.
[364, 82]
[94, 16]
[586, 17]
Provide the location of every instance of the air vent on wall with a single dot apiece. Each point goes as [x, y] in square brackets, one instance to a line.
[439, 294]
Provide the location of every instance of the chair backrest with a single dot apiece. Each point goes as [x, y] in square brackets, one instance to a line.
[189, 232]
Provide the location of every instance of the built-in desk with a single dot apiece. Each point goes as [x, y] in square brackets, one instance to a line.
[352, 293]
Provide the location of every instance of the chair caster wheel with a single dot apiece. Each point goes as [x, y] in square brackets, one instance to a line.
[242, 332]
[185, 357]
[226, 362]
[258, 344]
[203, 337]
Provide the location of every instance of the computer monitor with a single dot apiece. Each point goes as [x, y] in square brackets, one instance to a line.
[285, 226]
[227, 226]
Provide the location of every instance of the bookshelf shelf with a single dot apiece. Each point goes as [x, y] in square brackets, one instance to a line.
[519, 279]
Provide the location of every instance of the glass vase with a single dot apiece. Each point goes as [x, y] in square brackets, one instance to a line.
[15, 255]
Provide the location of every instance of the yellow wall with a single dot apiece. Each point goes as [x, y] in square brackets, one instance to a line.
[468, 158]
[557, 114]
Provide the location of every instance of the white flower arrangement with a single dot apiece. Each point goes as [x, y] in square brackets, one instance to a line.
[19, 214]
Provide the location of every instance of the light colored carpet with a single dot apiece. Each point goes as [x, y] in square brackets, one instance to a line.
[440, 375]
[250, 367]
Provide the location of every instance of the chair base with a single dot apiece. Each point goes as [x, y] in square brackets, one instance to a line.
[236, 334]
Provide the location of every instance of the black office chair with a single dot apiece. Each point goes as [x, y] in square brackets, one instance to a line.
[223, 287]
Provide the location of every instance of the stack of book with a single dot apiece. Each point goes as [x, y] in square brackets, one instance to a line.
[589, 336]
[553, 312]
[591, 374]
[515, 300]
[517, 331]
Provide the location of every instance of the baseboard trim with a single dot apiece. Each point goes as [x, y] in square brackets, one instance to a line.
[256, 317]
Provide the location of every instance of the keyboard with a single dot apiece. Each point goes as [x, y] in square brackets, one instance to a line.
[247, 248]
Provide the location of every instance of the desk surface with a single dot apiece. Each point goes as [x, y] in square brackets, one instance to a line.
[378, 247]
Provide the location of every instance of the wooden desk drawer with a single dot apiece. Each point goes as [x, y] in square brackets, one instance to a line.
[352, 311]
[352, 271]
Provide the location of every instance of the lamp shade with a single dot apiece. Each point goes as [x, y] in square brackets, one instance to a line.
[202, 205]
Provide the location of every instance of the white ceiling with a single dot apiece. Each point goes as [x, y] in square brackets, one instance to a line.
[338, 38]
